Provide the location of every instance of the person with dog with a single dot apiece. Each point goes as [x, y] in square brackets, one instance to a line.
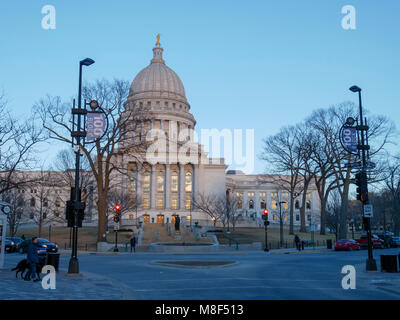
[297, 242]
[32, 258]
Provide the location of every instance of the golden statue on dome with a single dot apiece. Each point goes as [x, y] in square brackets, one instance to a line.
[158, 40]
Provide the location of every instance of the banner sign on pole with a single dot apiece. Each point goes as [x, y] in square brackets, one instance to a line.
[368, 211]
[349, 139]
[96, 124]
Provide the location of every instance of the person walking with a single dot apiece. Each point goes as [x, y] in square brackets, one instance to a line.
[133, 244]
[32, 258]
[297, 242]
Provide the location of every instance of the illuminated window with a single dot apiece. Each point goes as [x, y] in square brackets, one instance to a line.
[262, 204]
[131, 217]
[188, 182]
[263, 194]
[188, 204]
[286, 205]
[132, 180]
[160, 204]
[251, 204]
[146, 182]
[308, 204]
[146, 203]
[275, 217]
[284, 195]
[160, 182]
[174, 204]
[250, 194]
[274, 204]
[174, 182]
[285, 217]
[239, 194]
[239, 204]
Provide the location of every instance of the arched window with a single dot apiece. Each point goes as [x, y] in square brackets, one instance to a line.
[188, 182]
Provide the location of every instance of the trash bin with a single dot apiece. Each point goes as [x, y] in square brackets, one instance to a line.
[389, 263]
[329, 244]
[53, 259]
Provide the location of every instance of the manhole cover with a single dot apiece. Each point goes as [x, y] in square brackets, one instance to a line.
[195, 263]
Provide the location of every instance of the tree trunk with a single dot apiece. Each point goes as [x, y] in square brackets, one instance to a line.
[323, 216]
[303, 213]
[281, 232]
[102, 216]
[343, 213]
[291, 215]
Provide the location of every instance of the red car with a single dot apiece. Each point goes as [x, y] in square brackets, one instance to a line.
[347, 244]
[376, 242]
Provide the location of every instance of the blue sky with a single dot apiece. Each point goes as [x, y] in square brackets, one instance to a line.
[244, 64]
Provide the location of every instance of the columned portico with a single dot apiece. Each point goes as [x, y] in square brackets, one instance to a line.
[181, 186]
[167, 197]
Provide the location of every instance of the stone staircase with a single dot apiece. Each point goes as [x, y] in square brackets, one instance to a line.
[153, 232]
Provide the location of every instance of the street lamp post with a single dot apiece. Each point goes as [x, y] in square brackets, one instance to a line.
[73, 267]
[352, 228]
[370, 263]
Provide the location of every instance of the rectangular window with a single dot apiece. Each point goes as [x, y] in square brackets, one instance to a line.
[274, 195]
[174, 204]
[262, 194]
[286, 205]
[275, 217]
[239, 204]
[131, 217]
[160, 182]
[308, 204]
[297, 217]
[146, 182]
[174, 182]
[285, 217]
[285, 195]
[146, 203]
[274, 204]
[188, 204]
[160, 204]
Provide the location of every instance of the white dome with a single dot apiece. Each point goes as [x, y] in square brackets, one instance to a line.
[157, 81]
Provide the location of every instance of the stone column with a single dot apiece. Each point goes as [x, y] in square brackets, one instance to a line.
[167, 193]
[194, 181]
[139, 182]
[181, 186]
[153, 187]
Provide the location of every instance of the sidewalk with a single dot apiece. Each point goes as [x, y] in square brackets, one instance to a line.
[88, 287]
[295, 251]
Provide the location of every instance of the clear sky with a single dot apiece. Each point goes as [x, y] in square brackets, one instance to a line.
[244, 64]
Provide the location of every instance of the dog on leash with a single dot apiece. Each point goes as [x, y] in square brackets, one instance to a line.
[23, 265]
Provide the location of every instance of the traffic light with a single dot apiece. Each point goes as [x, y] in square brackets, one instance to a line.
[117, 213]
[69, 210]
[362, 186]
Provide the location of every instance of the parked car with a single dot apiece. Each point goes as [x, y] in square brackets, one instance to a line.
[376, 242]
[17, 242]
[347, 244]
[9, 245]
[396, 241]
[44, 246]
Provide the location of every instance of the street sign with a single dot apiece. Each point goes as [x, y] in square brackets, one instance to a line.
[368, 211]
[349, 139]
[370, 165]
[354, 165]
[116, 227]
[5, 207]
[96, 124]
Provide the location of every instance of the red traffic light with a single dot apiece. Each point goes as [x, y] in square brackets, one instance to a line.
[117, 208]
[266, 212]
[116, 219]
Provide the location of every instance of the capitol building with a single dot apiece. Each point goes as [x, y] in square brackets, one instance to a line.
[170, 184]
[167, 182]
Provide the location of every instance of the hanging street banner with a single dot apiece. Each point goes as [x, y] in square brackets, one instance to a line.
[349, 139]
[368, 211]
[96, 124]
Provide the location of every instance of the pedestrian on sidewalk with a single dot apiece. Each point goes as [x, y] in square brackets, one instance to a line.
[297, 241]
[133, 244]
[32, 258]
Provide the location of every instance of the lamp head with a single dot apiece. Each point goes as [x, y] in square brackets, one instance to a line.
[355, 89]
[87, 62]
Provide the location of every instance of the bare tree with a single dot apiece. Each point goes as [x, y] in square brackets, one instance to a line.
[18, 140]
[15, 197]
[283, 156]
[104, 156]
